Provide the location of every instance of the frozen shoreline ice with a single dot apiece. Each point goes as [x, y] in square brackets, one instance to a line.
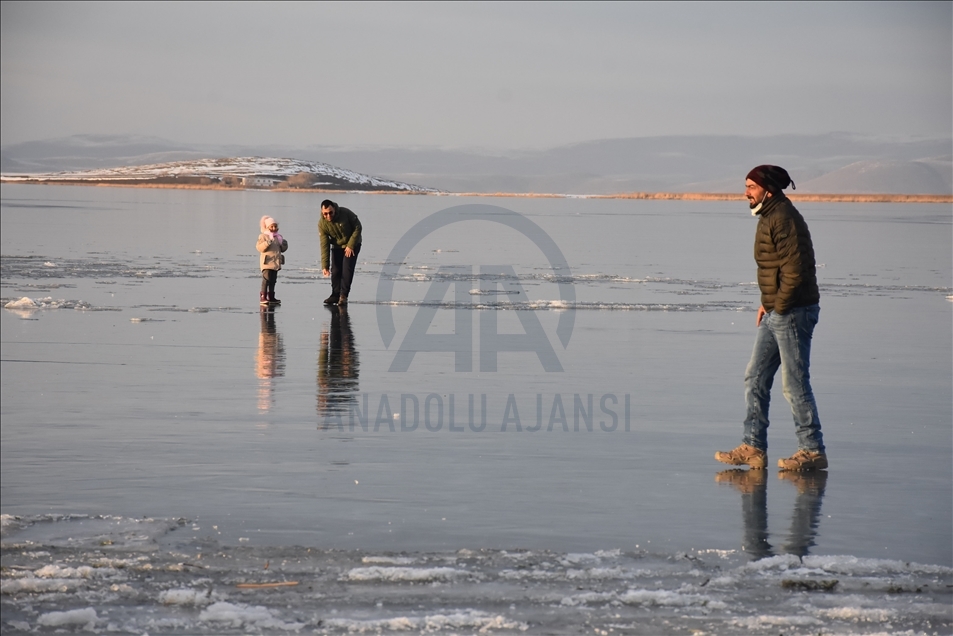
[107, 574]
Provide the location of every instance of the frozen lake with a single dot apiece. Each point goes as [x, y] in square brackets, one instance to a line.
[146, 382]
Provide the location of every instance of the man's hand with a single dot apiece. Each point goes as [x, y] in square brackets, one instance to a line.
[327, 272]
[348, 252]
[761, 313]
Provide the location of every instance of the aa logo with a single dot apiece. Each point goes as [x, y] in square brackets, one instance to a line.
[493, 279]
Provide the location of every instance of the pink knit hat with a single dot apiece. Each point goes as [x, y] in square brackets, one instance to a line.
[266, 221]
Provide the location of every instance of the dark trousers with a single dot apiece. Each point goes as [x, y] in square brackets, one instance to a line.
[268, 279]
[342, 270]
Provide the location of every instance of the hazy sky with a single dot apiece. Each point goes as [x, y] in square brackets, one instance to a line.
[474, 75]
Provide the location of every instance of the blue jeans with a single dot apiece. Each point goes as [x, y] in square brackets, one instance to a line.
[783, 341]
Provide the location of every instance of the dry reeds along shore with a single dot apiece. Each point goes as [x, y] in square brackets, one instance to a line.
[655, 196]
[727, 196]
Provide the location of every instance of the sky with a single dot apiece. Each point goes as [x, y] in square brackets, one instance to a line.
[472, 75]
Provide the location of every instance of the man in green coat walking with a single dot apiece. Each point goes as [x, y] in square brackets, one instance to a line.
[339, 232]
[789, 310]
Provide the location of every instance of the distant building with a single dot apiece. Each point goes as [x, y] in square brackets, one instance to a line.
[257, 182]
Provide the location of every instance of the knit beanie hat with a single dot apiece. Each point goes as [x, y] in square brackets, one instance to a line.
[771, 178]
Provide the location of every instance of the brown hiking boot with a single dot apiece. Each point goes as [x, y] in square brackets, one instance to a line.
[743, 455]
[804, 460]
[342, 300]
[744, 481]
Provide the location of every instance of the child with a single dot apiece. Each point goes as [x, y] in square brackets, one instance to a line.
[271, 245]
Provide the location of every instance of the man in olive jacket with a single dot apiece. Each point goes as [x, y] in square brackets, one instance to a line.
[789, 311]
[339, 232]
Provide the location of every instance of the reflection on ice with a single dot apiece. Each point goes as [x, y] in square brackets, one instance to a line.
[752, 484]
[269, 359]
[338, 368]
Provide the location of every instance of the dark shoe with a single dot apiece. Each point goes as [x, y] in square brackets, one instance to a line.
[272, 299]
[744, 454]
[342, 300]
[262, 298]
[804, 460]
[331, 300]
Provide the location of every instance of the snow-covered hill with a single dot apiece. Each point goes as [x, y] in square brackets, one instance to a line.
[306, 174]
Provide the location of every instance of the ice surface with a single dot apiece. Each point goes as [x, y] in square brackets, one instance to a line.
[196, 588]
[158, 454]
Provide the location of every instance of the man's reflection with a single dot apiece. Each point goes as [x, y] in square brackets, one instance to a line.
[269, 360]
[752, 484]
[338, 367]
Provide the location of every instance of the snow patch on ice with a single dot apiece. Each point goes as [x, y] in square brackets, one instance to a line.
[85, 617]
[403, 574]
[650, 598]
[22, 303]
[240, 614]
[588, 597]
[755, 622]
[33, 585]
[482, 622]
[388, 559]
[101, 531]
[840, 564]
[65, 572]
[185, 596]
[594, 574]
[29, 305]
[575, 558]
[859, 614]
[666, 598]
[598, 574]
[10, 522]
[859, 566]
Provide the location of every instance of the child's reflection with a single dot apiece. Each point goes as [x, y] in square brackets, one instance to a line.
[752, 484]
[338, 367]
[269, 359]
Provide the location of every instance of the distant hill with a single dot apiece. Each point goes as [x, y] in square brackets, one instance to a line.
[258, 172]
[895, 177]
[831, 163]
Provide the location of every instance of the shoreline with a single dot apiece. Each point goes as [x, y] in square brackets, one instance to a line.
[653, 196]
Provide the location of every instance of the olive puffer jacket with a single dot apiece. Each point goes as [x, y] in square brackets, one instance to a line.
[271, 252]
[344, 231]
[784, 253]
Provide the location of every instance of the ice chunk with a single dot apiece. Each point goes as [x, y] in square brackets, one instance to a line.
[24, 303]
[471, 619]
[239, 614]
[388, 559]
[33, 585]
[85, 617]
[184, 596]
[395, 574]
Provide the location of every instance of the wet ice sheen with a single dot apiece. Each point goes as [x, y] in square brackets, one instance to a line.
[142, 386]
